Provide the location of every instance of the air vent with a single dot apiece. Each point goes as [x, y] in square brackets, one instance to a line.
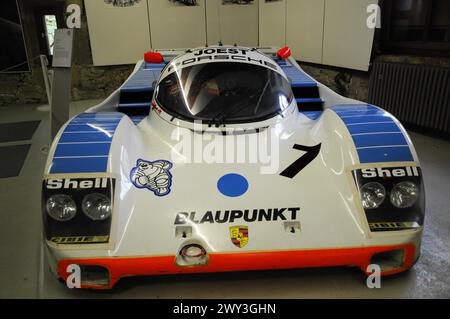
[389, 260]
[93, 275]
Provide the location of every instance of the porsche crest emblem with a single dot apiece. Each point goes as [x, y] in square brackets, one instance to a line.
[239, 235]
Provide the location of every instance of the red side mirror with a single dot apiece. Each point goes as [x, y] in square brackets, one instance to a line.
[153, 57]
[284, 53]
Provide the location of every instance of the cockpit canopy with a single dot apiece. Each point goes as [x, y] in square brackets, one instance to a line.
[224, 93]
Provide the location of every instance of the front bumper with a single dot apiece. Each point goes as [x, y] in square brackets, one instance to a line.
[119, 267]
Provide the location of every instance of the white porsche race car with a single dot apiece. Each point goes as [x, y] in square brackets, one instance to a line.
[166, 175]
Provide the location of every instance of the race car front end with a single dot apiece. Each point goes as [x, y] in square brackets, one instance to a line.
[228, 217]
[134, 197]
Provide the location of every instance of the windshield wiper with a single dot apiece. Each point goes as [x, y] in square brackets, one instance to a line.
[219, 119]
[249, 103]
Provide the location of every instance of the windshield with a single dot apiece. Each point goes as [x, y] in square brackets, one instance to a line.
[224, 92]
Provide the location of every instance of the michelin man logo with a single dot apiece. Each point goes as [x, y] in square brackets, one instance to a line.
[154, 176]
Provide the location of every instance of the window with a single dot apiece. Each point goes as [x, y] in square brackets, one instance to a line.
[416, 26]
[50, 27]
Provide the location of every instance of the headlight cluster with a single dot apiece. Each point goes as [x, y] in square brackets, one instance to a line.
[63, 208]
[402, 195]
[96, 206]
[372, 195]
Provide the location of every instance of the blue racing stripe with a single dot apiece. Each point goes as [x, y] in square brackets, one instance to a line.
[309, 100]
[386, 154]
[94, 149]
[373, 128]
[134, 105]
[379, 140]
[104, 121]
[90, 128]
[85, 143]
[86, 137]
[372, 112]
[353, 107]
[79, 165]
[376, 136]
[366, 119]
[99, 116]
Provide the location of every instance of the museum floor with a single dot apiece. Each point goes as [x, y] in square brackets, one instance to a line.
[24, 274]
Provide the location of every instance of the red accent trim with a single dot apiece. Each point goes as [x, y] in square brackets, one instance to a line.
[223, 262]
[284, 53]
[153, 57]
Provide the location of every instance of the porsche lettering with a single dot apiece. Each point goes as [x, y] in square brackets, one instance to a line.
[222, 55]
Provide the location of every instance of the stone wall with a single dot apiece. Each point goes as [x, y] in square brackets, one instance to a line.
[349, 83]
[25, 88]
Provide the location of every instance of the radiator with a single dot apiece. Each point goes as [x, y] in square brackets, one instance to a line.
[417, 95]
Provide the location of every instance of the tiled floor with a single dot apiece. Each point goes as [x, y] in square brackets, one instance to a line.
[23, 272]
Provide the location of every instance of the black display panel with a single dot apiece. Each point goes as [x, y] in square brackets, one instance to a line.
[13, 54]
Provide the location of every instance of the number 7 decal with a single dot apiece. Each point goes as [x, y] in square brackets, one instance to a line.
[303, 161]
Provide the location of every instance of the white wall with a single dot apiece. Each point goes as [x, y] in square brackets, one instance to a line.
[177, 26]
[347, 40]
[117, 35]
[238, 23]
[331, 32]
[304, 32]
[272, 23]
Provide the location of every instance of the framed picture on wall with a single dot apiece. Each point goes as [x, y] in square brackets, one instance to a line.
[242, 2]
[122, 3]
[188, 3]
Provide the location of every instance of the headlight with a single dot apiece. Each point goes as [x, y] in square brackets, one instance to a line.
[404, 194]
[96, 206]
[61, 207]
[372, 195]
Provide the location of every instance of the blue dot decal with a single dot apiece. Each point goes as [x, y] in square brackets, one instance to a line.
[232, 185]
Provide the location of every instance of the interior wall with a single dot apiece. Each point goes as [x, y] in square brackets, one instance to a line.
[272, 23]
[118, 35]
[238, 23]
[92, 81]
[347, 40]
[177, 26]
[329, 32]
[304, 31]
